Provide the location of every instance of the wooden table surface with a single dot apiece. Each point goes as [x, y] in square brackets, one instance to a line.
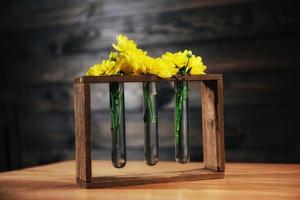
[242, 181]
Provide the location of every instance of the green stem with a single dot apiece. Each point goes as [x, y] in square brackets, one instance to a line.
[180, 96]
[116, 106]
[147, 96]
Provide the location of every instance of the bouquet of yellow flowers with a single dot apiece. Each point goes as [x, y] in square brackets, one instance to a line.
[128, 59]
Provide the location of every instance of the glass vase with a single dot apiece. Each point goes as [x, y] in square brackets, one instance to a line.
[182, 149]
[117, 124]
[150, 123]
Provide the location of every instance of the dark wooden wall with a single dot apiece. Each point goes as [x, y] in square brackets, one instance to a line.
[255, 44]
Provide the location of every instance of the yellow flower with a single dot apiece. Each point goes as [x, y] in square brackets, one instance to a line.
[122, 64]
[198, 70]
[137, 60]
[106, 68]
[180, 59]
[163, 68]
[186, 61]
[124, 44]
[95, 70]
[129, 59]
[196, 65]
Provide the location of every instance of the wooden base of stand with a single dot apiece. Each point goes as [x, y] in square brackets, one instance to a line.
[163, 172]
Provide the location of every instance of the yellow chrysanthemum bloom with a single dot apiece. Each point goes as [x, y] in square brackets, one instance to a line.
[95, 70]
[180, 59]
[124, 44]
[137, 60]
[106, 68]
[129, 59]
[151, 66]
[163, 68]
[196, 65]
[187, 61]
[122, 64]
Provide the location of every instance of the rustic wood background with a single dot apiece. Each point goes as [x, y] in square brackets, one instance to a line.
[46, 44]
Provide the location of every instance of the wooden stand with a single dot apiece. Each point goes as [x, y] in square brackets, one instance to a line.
[212, 127]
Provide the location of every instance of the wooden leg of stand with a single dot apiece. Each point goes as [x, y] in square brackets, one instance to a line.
[213, 124]
[82, 132]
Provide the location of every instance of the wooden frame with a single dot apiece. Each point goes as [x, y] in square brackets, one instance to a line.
[212, 126]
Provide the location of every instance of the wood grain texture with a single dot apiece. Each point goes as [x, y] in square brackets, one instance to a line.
[88, 26]
[57, 13]
[221, 134]
[143, 178]
[213, 124]
[242, 181]
[255, 44]
[82, 132]
[144, 78]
